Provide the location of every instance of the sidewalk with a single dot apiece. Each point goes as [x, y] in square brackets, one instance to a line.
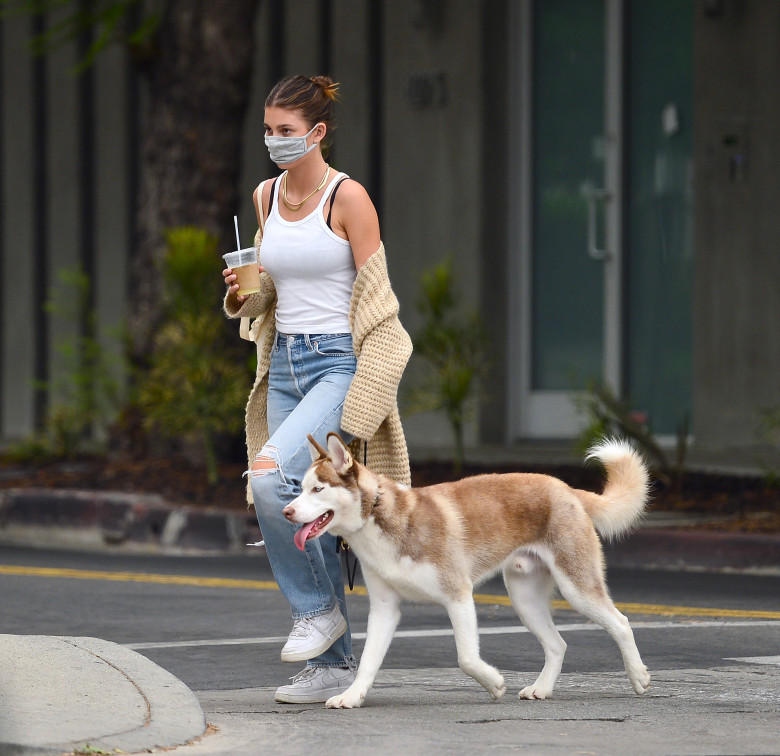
[87, 696]
[61, 694]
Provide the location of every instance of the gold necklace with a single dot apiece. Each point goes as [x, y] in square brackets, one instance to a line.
[296, 207]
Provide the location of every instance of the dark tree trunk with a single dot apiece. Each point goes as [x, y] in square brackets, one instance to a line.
[199, 78]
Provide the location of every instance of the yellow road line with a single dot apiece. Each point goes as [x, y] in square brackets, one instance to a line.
[139, 577]
[267, 585]
[660, 609]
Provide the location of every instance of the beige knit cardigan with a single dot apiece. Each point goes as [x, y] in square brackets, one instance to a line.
[382, 348]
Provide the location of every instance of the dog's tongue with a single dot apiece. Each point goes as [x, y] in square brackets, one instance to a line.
[302, 534]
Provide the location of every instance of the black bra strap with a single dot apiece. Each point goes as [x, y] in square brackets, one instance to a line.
[332, 197]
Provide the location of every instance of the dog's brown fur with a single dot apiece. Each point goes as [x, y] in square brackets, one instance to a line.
[436, 543]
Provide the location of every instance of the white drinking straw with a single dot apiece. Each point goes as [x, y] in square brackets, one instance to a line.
[238, 240]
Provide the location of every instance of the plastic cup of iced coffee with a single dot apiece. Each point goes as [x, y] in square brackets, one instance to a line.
[244, 264]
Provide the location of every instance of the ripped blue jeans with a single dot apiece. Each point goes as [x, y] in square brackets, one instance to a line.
[308, 380]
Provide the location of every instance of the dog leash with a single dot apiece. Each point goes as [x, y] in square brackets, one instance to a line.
[343, 547]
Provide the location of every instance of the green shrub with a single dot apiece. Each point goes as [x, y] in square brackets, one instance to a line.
[451, 345]
[197, 381]
[769, 433]
[84, 396]
[608, 415]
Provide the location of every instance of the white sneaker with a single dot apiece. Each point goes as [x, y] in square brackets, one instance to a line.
[312, 636]
[315, 685]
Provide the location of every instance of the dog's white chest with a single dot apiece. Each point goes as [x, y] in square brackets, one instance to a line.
[415, 581]
[412, 580]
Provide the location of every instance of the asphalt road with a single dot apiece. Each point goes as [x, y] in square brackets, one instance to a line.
[217, 622]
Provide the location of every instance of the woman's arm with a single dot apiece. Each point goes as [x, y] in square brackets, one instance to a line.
[382, 346]
[374, 389]
[354, 218]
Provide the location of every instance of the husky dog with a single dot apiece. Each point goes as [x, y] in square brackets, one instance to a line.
[434, 544]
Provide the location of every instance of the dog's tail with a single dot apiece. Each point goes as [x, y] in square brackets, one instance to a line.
[625, 494]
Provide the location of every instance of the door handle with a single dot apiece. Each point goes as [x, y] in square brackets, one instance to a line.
[592, 197]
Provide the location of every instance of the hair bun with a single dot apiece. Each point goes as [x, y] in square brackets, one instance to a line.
[329, 87]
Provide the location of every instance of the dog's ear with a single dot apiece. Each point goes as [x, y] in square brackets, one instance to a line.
[339, 454]
[317, 451]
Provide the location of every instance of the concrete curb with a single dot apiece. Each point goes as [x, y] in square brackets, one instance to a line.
[123, 519]
[669, 548]
[64, 693]
[129, 521]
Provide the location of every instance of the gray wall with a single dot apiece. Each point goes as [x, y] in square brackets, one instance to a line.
[432, 152]
[737, 275]
[67, 160]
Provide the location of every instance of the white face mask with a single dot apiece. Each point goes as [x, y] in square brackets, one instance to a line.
[285, 150]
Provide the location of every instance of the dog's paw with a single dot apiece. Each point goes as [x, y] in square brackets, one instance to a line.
[488, 677]
[494, 684]
[641, 682]
[346, 700]
[498, 690]
[534, 692]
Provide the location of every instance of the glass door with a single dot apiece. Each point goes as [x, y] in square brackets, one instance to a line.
[586, 307]
[659, 274]
[568, 301]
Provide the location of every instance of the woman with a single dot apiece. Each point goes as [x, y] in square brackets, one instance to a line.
[331, 352]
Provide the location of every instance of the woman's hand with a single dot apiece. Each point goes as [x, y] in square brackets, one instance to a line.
[231, 281]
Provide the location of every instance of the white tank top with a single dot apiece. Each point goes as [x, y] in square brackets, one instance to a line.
[312, 268]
